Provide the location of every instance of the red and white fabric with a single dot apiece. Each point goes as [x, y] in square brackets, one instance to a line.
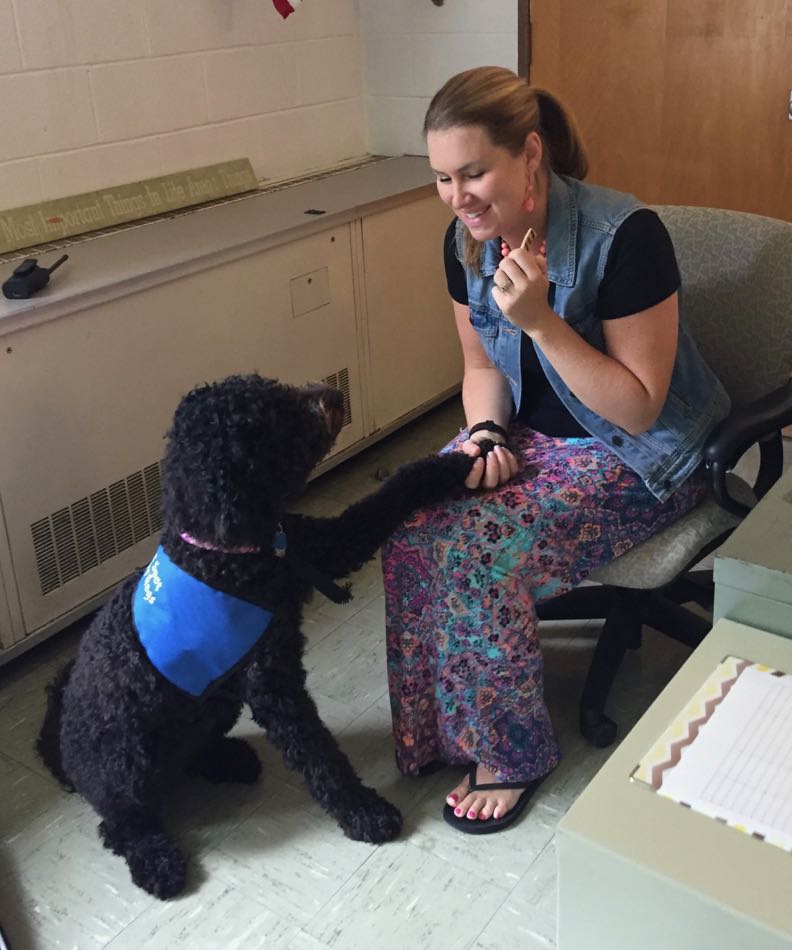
[286, 7]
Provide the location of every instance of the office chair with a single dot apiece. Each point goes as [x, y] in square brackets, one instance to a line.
[737, 302]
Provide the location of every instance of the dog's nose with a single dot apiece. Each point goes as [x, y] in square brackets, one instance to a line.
[325, 395]
[330, 402]
[332, 399]
[320, 391]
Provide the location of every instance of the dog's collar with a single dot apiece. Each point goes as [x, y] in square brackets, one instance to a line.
[316, 578]
[278, 544]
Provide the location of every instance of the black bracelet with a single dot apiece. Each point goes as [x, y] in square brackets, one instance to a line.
[488, 426]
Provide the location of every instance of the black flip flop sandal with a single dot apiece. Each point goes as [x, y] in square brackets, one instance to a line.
[475, 826]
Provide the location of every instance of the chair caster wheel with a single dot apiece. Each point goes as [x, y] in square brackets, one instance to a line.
[596, 728]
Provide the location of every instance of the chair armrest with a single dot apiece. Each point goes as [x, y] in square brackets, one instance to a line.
[759, 422]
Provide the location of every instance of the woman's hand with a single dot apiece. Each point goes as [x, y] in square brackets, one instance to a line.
[523, 274]
[491, 470]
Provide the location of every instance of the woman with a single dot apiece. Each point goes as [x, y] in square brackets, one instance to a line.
[587, 405]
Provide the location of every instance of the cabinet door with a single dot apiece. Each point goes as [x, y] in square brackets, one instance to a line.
[414, 354]
[7, 633]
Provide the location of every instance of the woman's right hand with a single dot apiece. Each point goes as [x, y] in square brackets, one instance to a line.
[492, 470]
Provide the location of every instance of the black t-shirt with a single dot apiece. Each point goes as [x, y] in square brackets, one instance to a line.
[640, 272]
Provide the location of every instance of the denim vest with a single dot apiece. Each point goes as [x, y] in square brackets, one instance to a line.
[581, 222]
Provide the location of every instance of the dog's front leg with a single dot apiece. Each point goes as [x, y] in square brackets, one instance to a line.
[155, 862]
[126, 792]
[282, 706]
[343, 544]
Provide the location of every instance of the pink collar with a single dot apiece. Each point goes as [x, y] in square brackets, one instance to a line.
[278, 544]
[208, 546]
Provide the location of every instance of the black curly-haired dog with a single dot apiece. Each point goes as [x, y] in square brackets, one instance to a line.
[161, 673]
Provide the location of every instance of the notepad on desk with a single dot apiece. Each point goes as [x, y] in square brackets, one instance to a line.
[728, 754]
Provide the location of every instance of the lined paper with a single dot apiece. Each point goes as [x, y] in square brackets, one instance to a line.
[739, 766]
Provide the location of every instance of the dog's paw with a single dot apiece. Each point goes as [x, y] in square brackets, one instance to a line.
[449, 464]
[157, 866]
[375, 821]
[435, 477]
[455, 466]
[446, 475]
[227, 760]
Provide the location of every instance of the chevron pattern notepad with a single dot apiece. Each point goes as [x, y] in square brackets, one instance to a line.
[728, 754]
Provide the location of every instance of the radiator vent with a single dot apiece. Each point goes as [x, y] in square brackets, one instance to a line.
[340, 381]
[73, 540]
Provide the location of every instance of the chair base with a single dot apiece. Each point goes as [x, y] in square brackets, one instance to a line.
[626, 611]
[596, 728]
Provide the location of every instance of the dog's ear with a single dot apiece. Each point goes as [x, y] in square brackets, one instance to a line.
[224, 524]
[232, 517]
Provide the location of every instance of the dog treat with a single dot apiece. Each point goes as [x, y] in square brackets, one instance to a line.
[528, 240]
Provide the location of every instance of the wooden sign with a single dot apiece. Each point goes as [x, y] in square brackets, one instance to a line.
[48, 221]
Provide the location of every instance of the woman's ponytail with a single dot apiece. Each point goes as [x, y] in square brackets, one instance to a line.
[567, 154]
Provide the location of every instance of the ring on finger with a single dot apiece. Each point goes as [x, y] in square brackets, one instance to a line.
[505, 287]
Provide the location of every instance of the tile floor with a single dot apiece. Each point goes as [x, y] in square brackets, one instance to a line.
[269, 869]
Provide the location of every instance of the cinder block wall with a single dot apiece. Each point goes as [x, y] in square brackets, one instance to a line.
[411, 47]
[98, 92]
[95, 93]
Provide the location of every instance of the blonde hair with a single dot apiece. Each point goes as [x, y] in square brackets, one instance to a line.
[508, 109]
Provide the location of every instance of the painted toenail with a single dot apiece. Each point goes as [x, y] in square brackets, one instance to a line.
[471, 814]
[458, 812]
[452, 799]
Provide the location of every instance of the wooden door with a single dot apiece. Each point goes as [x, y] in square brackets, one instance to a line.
[678, 102]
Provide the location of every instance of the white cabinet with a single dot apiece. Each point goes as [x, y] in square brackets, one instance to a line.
[94, 393]
[88, 395]
[414, 351]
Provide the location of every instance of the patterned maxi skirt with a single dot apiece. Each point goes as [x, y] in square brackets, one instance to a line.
[461, 584]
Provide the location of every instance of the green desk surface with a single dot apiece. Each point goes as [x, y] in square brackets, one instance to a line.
[720, 865]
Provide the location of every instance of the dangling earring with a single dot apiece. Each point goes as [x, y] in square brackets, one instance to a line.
[528, 202]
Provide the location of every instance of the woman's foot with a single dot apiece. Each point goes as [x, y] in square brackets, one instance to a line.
[479, 805]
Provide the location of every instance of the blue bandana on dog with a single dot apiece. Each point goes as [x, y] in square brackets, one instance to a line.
[192, 633]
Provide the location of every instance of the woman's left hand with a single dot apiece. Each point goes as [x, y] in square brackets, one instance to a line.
[523, 274]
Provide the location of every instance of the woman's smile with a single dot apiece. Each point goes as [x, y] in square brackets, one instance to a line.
[473, 218]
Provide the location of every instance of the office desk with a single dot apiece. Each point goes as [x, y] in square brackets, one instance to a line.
[641, 872]
[753, 569]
